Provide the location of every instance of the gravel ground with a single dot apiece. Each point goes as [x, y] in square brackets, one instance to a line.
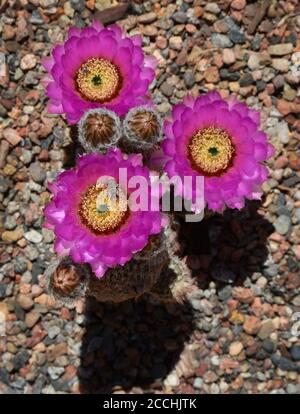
[238, 331]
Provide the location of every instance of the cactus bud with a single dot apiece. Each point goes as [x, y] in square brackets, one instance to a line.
[142, 127]
[66, 281]
[99, 129]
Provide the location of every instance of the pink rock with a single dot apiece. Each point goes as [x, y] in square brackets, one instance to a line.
[212, 75]
[238, 4]
[243, 295]
[227, 364]
[4, 149]
[286, 107]
[28, 61]
[36, 291]
[11, 136]
[228, 56]
[161, 42]
[69, 373]
[252, 325]
[235, 348]
[281, 162]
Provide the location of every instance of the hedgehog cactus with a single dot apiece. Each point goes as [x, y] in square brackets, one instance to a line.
[100, 79]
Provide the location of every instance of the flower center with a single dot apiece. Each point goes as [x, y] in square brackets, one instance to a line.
[211, 151]
[98, 80]
[103, 209]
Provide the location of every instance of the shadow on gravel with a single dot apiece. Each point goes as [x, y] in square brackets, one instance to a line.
[132, 344]
[227, 248]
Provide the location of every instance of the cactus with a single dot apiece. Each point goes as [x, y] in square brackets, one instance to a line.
[156, 270]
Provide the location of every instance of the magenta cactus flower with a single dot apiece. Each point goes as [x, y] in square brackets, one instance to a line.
[221, 141]
[91, 226]
[97, 67]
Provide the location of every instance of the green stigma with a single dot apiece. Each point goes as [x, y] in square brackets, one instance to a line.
[213, 151]
[96, 80]
[102, 208]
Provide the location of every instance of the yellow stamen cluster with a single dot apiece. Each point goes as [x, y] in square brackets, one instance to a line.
[211, 151]
[100, 211]
[98, 80]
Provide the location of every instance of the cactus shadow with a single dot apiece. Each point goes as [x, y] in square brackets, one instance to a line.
[73, 149]
[227, 248]
[131, 346]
